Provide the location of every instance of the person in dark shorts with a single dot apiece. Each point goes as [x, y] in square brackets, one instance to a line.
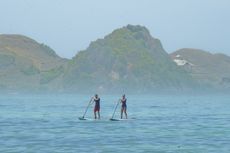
[96, 100]
[123, 106]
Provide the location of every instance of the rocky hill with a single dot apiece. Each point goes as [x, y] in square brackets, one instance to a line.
[128, 59]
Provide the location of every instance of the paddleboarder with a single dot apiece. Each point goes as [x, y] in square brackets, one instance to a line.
[96, 100]
[123, 107]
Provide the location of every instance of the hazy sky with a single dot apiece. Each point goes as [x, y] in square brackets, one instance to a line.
[68, 26]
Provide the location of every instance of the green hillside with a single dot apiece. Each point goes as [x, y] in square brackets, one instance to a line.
[128, 59]
[209, 69]
[28, 65]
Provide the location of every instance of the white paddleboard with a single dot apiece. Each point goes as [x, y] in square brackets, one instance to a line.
[117, 119]
[85, 119]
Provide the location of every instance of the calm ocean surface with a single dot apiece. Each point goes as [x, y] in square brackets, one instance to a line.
[170, 124]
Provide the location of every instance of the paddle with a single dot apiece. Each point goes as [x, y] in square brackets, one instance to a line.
[115, 109]
[82, 118]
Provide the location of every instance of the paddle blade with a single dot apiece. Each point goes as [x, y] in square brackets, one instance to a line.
[81, 118]
[113, 119]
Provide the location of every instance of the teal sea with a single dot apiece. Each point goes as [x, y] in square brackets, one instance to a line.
[158, 124]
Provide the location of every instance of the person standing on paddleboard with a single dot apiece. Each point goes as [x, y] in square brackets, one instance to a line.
[96, 100]
[123, 107]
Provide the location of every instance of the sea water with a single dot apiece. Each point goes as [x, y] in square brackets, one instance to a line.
[158, 124]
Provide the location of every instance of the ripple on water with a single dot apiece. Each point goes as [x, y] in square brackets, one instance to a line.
[162, 124]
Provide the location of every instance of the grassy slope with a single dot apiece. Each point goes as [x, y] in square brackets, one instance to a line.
[208, 68]
[23, 63]
[128, 58]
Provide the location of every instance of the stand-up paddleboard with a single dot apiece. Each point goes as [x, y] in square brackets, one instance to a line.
[116, 119]
[85, 119]
[111, 119]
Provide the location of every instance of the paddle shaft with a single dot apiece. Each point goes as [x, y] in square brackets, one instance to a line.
[87, 108]
[115, 108]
